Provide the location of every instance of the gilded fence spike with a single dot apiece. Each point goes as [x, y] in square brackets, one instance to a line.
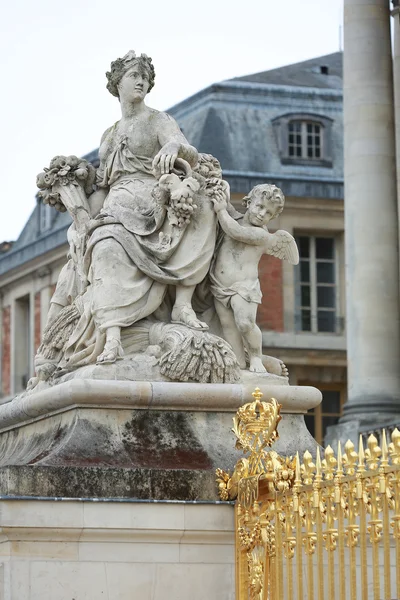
[329, 463]
[297, 484]
[339, 469]
[341, 514]
[297, 479]
[360, 469]
[308, 468]
[372, 453]
[384, 489]
[361, 455]
[394, 447]
[350, 457]
[384, 457]
[317, 479]
[339, 474]
[318, 464]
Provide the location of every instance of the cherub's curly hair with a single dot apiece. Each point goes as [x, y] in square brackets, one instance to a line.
[120, 66]
[269, 192]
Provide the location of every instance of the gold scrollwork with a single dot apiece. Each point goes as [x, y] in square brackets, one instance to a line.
[300, 524]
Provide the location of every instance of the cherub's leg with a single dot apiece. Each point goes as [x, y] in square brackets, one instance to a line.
[245, 317]
[182, 311]
[231, 332]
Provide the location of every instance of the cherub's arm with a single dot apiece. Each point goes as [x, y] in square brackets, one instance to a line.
[255, 236]
[173, 144]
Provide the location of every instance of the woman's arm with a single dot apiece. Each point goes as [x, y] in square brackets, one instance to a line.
[173, 145]
[96, 201]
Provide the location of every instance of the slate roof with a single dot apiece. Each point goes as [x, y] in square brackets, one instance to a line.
[321, 72]
[233, 120]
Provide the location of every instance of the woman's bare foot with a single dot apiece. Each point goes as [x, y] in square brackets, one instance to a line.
[112, 352]
[256, 365]
[183, 314]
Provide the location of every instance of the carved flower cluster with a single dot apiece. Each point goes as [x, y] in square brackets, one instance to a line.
[64, 170]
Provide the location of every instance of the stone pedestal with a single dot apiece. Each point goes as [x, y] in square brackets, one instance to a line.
[122, 439]
[108, 487]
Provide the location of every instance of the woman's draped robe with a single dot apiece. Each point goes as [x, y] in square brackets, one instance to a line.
[133, 253]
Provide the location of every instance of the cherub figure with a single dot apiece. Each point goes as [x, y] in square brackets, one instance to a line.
[234, 274]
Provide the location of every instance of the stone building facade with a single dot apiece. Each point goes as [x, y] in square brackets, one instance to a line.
[283, 126]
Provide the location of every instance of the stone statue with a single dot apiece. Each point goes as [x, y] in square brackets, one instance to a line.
[145, 285]
[234, 274]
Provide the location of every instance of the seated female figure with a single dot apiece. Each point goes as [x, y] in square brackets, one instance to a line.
[133, 252]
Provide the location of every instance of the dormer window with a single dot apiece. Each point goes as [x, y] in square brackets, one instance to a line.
[304, 139]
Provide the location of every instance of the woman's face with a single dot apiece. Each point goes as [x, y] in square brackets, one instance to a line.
[134, 85]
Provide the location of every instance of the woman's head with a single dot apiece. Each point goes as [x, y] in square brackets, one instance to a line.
[130, 64]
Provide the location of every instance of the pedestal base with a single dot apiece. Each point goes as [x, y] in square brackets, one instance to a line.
[121, 439]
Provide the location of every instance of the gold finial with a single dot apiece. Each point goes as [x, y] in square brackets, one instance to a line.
[317, 479]
[350, 457]
[308, 468]
[361, 455]
[329, 463]
[372, 453]
[255, 426]
[257, 394]
[394, 447]
[339, 469]
[298, 474]
[318, 464]
[384, 458]
[339, 474]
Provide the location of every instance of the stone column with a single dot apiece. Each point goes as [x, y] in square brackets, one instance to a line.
[371, 226]
[396, 81]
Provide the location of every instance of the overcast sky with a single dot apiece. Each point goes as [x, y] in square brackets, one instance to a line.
[53, 57]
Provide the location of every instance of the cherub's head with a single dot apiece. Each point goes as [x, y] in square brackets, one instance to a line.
[264, 203]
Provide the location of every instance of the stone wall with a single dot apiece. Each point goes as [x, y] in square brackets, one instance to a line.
[76, 550]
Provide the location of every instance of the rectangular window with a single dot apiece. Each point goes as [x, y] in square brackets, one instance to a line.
[316, 289]
[295, 142]
[305, 140]
[328, 412]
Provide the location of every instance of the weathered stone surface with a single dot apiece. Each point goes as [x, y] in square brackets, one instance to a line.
[107, 482]
[125, 439]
